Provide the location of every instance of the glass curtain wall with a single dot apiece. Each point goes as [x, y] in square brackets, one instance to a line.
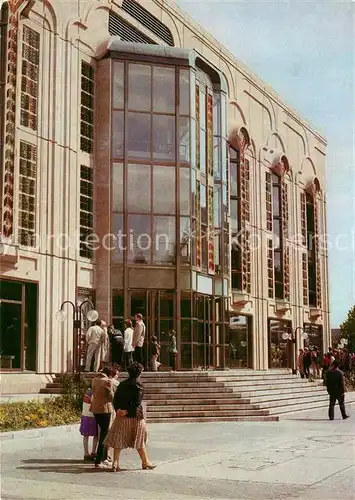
[151, 159]
[280, 350]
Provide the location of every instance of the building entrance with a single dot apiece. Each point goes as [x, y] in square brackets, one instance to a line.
[199, 320]
[18, 325]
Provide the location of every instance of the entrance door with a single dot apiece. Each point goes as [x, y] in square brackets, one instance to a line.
[203, 332]
[240, 345]
[280, 350]
[159, 313]
[11, 328]
[18, 325]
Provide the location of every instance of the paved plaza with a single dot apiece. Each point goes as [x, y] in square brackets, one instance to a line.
[302, 457]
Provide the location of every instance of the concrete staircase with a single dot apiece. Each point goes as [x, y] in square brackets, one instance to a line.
[208, 396]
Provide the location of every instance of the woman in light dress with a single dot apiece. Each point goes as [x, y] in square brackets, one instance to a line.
[129, 428]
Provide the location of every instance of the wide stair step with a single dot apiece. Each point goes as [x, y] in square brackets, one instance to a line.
[212, 396]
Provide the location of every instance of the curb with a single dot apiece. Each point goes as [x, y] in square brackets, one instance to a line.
[37, 433]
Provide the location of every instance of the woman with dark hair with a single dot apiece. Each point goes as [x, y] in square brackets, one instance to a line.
[129, 428]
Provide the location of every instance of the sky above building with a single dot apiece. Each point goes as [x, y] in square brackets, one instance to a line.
[306, 51]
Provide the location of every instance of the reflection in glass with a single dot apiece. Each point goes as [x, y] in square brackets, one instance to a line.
[184, 139]
[117, 187]
[138, 135]
[139, 87]
[234, 219]
[239, 345]
[216, 113]
[163, 90]
[202, 97]
[138, 188]
[217, 158]
[276, 230]
[185, 239]
[118, 85]
[163, 137]
[276, 201]
[139, 239]
[217, 205]
[184, 191]
[234, 180]
[117, 134]
[164, 240]
[184, 88]
[120, 240]
[203, 201]
[217, 240]
[202, 152]
[164, 190]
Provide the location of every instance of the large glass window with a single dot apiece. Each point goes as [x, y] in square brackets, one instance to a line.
[184, 191]
[312, 269]
[277, 236]
[164, 90]
[138, 135]
[117, 134]
[117, 187]
[120, 241]
[118, 85]
[184, 92]
[138, 188]
[234, 189]
[139, 87]
[184, 139]
[164, 190]
[164, 240]
[140, 241]
[163, 137]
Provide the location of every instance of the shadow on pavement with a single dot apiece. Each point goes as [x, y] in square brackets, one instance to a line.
[55, 461]
[72, 469]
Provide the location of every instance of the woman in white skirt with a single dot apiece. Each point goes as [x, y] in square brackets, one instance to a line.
[129, 428]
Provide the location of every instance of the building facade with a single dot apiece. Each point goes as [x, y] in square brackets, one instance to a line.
[146, 169]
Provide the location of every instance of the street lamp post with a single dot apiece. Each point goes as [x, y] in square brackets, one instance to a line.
[91, 315]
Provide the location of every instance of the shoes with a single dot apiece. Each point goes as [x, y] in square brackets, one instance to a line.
[115, 468]
[88, 458]
[148, 467]
[102, 465]
[346, 416]
[108, 462]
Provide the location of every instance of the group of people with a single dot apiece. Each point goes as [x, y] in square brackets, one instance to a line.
[333, 364]
[114, 417]
[107, 344]
[310, 361]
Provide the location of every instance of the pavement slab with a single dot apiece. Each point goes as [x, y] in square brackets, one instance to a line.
[294, 459]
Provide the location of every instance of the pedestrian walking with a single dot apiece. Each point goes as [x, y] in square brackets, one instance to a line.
[88, 427]
[172, 350]
[307, 361]
[101, 407]
[94, 339]
[127, 345]
[138, 338]
[336, 390]
[129, 428]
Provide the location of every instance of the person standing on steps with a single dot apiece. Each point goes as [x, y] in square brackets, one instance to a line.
[138, 338]
[127, 346]
[94, 339]
[172, 350]
[336, 390]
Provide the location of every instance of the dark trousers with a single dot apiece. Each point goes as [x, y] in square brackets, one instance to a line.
[307, 370]
[103, 421]
[127, 360]
[172, 360]
[138, 354]
[332, 400]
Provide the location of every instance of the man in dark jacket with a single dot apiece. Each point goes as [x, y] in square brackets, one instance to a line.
[336, 389]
